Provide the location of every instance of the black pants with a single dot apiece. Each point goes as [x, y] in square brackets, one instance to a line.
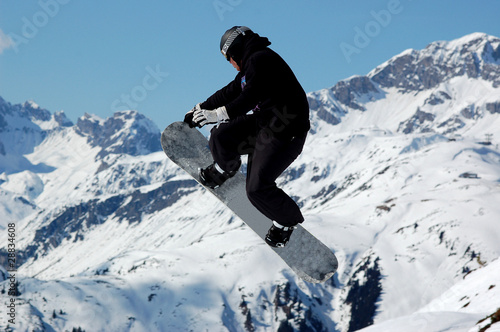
[268, 157]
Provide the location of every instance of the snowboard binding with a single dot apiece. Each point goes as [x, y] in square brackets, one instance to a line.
[278, 235]
[213, 178]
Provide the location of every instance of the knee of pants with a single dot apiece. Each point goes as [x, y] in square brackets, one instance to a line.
[224, 132]
[256, 190]
[252, 190]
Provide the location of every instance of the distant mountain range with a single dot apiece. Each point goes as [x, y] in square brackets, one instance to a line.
[400, 176]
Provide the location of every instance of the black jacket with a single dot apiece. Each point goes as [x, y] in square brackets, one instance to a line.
[266, 85]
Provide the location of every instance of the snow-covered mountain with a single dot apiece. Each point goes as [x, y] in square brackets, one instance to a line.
[400, 176]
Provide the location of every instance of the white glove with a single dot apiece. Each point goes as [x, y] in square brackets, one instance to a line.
[188, 118]
[203, 117]
[196, 108]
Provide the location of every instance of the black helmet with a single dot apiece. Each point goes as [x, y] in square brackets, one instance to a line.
[232, 39]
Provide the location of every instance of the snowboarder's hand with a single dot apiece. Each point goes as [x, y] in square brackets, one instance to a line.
[188, 118]
[203, 117]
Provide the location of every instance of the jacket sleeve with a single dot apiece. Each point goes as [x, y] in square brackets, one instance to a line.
[224, 95]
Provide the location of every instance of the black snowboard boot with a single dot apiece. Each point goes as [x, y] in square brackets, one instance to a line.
[278, 235]
[212, 178]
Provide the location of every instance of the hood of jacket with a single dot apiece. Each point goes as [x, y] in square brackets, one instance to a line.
[253, 43]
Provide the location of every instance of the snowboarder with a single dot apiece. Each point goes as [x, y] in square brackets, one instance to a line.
[262, 113]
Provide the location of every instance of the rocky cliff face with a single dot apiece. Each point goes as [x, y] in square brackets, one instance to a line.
[126, 132]
[474, 56]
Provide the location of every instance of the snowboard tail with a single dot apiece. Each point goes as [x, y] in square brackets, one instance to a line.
[308, 257]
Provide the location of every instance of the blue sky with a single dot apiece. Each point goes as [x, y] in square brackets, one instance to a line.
[162, 57]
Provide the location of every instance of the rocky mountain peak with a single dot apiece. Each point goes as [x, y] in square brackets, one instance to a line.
[476, 55]
[126, 132]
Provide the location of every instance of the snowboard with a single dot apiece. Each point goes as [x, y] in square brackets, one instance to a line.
[308, 257]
